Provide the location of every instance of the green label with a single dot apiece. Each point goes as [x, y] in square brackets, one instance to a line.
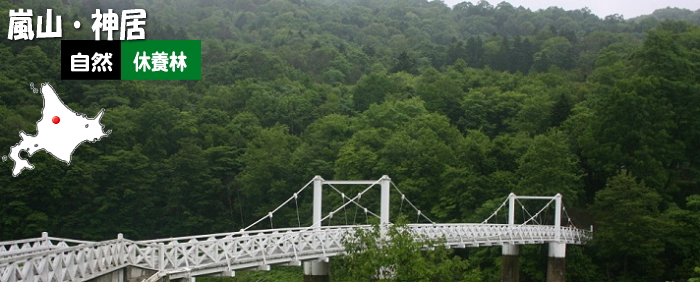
[161, 60]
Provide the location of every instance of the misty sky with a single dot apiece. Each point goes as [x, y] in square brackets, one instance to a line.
[602, 8]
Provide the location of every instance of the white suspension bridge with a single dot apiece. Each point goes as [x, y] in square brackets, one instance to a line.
[49, 259]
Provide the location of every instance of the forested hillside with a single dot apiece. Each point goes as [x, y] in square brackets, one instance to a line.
[460, 106]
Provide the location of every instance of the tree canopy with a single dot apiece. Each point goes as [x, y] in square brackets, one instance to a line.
[459, 105]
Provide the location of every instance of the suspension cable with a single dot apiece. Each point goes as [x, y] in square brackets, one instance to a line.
[409, 202]
[350, 200]
[543, 208]
[496, 212]
[526, 211]
[296, 203]
[568, 218]
[279, 207]
[345, 212]
[354, 220]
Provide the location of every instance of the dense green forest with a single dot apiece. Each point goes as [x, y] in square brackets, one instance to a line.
[460, 106]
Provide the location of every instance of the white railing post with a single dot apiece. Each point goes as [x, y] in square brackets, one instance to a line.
[161, 256]
[45, 239]
[120, 246]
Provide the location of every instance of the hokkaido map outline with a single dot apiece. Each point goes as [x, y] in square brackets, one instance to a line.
[60, 131]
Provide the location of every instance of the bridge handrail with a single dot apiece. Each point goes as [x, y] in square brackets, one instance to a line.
[262, 246]
[567, 232]
[42, 239]
[239, 234]
[254, 233]
[70, 249]
[151, 244]
[34, 245]
[95, 258]
[272, 240]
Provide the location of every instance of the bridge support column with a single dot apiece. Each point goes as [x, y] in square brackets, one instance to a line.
[316, 271]
[385, 183]
[510, 267]
[318, 202]
[556, 263]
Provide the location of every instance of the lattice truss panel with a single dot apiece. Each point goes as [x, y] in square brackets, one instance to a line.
[77, 263]
[28, 246]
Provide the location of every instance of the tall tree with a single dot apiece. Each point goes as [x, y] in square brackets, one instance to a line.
[406, 64]
[629, 230]
[372, 89]
[561, 110]
[475, 52]
[548, 167]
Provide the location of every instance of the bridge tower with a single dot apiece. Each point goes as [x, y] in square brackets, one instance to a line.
[510, 267]
[319, 270]
[556, 267]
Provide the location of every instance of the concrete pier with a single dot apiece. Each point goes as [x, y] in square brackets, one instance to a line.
[316, 271]
[556, 263]
[510, 267]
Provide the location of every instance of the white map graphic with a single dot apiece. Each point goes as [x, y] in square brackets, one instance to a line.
[59, 131]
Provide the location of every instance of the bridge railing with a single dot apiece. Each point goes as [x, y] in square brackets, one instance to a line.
[76, 263]
[87, 260]
[247, 249]
[492, 234]
[260, 246]
[33, 245]
[267, 246]
[219, 236]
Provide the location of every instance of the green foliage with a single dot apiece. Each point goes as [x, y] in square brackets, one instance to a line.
[695, 279]
[627, 223]
[548, 167]
[401, 255]
[460, 106]
[561, 110]
[405, 64]
[277, 273]
[372, 89]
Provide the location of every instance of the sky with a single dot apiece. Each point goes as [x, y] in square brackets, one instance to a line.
[627, 8]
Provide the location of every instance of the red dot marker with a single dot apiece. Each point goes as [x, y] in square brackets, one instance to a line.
[56, 120]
